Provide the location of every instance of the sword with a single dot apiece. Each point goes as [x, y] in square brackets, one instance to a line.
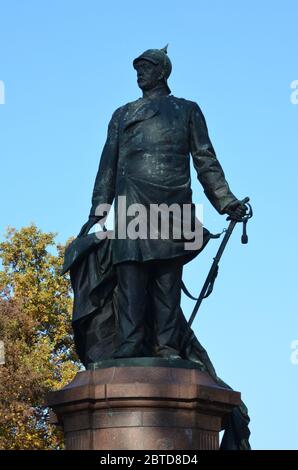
[209, 283]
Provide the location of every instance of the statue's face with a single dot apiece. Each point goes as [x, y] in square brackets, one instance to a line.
[148, 74]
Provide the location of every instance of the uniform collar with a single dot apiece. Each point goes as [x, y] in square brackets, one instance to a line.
[156, 93]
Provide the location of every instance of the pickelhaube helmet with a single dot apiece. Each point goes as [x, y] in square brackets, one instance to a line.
[157, 56]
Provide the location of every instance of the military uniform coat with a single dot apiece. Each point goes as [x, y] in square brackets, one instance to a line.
[146, 158]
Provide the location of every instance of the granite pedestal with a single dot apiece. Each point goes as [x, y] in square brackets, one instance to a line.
[142, 404]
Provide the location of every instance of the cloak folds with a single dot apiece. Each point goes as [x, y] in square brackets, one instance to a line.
[94, 282]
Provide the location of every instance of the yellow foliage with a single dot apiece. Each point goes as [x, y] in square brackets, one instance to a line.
[35, 325]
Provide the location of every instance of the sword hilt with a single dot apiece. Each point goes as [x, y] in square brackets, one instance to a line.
[247, 216]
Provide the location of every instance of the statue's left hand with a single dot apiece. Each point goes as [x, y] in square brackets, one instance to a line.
[88, 225]
[236, 210]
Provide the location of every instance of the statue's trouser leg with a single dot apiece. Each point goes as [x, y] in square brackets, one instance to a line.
[165, 295]
[132, 278]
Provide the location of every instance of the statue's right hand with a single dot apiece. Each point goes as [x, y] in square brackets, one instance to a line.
[88, 225]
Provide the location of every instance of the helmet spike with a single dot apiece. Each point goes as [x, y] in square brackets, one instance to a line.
[165, 49]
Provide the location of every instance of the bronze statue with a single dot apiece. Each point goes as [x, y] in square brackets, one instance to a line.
[146, 159]
[127, 290]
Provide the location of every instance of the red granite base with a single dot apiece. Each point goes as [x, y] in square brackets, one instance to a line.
[142, 408]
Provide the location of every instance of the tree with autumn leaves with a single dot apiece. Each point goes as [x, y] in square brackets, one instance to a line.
[35, 325]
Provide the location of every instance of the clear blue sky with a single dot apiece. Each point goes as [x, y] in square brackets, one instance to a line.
[66, 66]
